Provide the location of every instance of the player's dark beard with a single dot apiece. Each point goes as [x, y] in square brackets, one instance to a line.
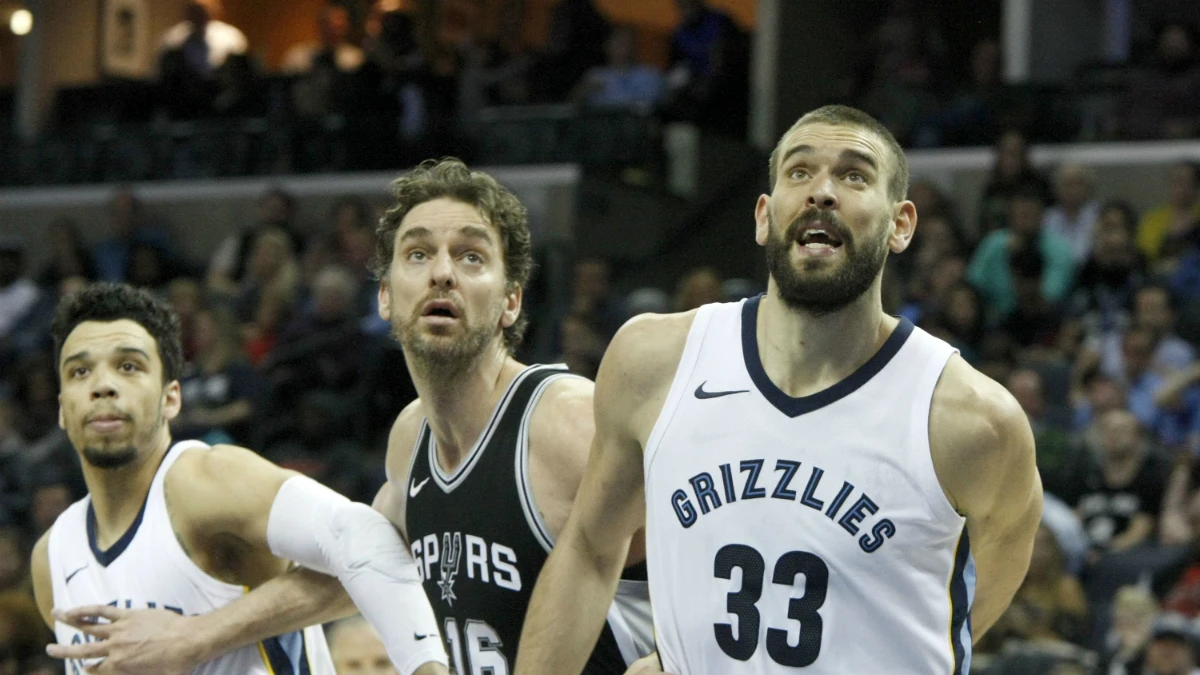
[819, 293]
[443, 359]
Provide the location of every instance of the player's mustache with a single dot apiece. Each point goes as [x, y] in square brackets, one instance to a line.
[814, 217]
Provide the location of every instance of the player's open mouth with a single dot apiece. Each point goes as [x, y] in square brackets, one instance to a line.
[816, 239]
[440, 311]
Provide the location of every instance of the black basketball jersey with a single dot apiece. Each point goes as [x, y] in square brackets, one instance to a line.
[480, 544]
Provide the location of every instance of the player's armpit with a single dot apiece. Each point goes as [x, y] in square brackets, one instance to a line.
[984, 454]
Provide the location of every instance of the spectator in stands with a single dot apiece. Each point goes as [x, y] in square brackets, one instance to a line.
[973, 115]
[23, 635]
[186, 297]
[202, 39]
[1049, 430]
[321, 68]
[622, 82]
[1050, 605]
[149, 268]
[1140, 380]
[276, 208]
[1075, 213]
[1184, 596]
[218, 385]
[13, 555]
[575, 44]
[1114, 270]
[1133, 621]
[902, 64]
[1165, 228]
[323, 348]
[128, 225]
[1033, 322]
[1153, 311]
[960, 318]
[18, 293]
[1171, 650]
[1120, 499]
[990, 268]
[931, 284]
[332, 46]
[69, 256]
[708, 76]
[593, 299]
[699, 286]
[1179, 401]
[391, 39]
[1096, 395]
[267, 293]
[1161, 101]
[356, 649]
[582, 345]
[1012, 174]
[318, 439]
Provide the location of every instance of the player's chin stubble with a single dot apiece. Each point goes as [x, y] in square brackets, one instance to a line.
[445, 357]
[812, 291]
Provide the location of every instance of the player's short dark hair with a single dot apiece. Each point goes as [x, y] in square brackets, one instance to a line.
[844, 115]
[113, 302]
[452, 179]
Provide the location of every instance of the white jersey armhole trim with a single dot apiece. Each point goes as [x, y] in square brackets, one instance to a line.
[631, 621]
[537, 524]
[934, 493]
[683, 373]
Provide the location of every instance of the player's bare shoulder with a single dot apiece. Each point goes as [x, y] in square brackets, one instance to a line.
[976, 429]
[640, 364]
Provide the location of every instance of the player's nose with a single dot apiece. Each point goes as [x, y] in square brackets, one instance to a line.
[823, 196]
[441, 273]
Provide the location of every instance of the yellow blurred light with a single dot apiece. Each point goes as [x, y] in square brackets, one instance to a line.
[21, 22]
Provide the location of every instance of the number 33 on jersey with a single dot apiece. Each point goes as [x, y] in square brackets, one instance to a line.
[809, 533]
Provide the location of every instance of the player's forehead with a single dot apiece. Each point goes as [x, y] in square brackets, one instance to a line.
[102, 339]
[444, 217]
[829, 141]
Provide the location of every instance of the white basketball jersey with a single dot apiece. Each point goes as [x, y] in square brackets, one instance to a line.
[803, 535]
[147, 568]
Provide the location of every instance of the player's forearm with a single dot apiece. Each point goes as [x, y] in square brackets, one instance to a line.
[567, 610]
[287, 603]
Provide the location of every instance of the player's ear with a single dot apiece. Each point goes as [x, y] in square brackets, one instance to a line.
[762, 219]
[385, 301]
[904, 224]
[512, 305]
[172, 400]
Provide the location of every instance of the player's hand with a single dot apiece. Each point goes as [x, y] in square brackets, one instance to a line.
[132, 642]
[647, 665]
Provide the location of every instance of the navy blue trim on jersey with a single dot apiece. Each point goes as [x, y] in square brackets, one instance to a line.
[287, 654]
[793, 406]
[960, 609]
[105, 558]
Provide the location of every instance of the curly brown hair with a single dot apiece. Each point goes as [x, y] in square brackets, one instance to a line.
[451, 178]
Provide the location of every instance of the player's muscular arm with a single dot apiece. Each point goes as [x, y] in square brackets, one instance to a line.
[984, 455]
[231, 494]
[579, 580]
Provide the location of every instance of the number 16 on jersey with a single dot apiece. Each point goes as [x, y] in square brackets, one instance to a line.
[482, 649]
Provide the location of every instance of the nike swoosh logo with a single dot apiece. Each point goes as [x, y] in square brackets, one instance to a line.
[700, 393]
[415, 487]
[72, 574]
[418, 636]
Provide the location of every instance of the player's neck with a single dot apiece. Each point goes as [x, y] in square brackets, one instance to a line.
[458, 409]
[805, 354]
[118, 494]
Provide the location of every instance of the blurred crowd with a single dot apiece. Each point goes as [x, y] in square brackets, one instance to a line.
[1088, 311]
